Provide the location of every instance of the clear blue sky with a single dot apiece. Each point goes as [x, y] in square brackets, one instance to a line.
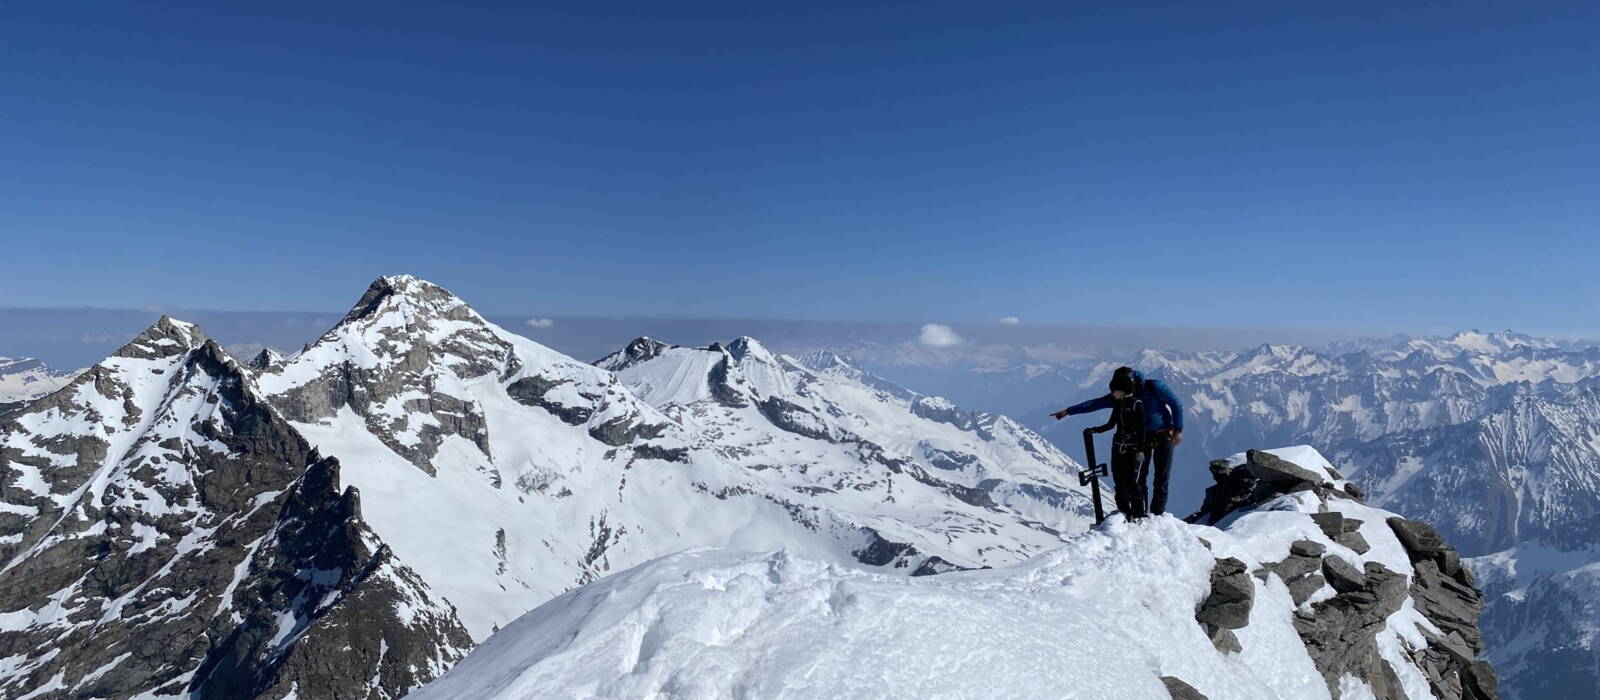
[1371, 165]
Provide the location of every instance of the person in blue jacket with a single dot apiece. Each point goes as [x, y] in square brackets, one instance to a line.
[1161, 431]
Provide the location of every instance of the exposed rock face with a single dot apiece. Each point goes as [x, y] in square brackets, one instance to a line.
[264, 360]
[1227, 606]
[166, 533]
[1446, 593]
[346, 599]
[1340, 630]
[396, 360]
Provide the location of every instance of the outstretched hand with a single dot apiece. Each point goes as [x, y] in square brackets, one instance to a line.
[1060, 414]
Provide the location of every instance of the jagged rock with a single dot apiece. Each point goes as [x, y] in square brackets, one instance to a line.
[1234, 488]
[1420, 539]
[1449, 603]
[1232, 593]
[1180, 690]
[265, 359]
[1342, 575]
[1279, 471]
[1340, 632]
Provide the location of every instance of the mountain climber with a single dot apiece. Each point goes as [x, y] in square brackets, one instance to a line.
[1149, 424]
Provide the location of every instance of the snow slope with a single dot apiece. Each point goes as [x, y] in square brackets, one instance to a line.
[1107, 614]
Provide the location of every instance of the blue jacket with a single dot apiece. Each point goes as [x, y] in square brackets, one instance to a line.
[1162, 410]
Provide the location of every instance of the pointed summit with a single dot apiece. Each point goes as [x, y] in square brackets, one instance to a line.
[265, 359]
[641, 349]
[745, 346]
[409, 293]
[166, 338]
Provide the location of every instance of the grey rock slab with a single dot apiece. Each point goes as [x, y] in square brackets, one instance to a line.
[1354, 541]
[1344, 577]
[1180, 690]
[1331, 523]
[1272, 468]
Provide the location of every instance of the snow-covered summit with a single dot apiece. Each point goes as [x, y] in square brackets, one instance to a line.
[1301, 592]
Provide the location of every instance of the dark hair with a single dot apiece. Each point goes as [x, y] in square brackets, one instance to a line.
[1125, 380]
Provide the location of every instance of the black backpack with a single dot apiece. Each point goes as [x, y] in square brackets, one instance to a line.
[1131, 434]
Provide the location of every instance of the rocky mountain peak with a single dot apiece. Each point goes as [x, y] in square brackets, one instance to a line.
[409, 295]
[640, 349]
[167, 337]
[747, 347]
[266, 359]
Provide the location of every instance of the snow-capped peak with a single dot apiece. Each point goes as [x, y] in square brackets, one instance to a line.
[407, 293]
[640, 349]
[165, 338]
[266, 359]
[747, 347]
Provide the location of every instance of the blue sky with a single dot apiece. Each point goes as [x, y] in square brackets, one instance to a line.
[1392, 166]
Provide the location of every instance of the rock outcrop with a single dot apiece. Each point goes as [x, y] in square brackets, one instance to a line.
[1344, 602]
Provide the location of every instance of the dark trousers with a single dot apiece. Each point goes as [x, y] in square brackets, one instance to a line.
[1127, 474]
[1131, 476]
[1161, 455]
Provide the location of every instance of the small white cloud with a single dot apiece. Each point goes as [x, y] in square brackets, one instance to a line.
[1010, 321]
[541, 322]
[938, 336]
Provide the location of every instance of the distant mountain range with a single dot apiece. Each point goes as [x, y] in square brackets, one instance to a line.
[472, 473]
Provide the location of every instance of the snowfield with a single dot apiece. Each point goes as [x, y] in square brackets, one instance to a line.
[1106, 615]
